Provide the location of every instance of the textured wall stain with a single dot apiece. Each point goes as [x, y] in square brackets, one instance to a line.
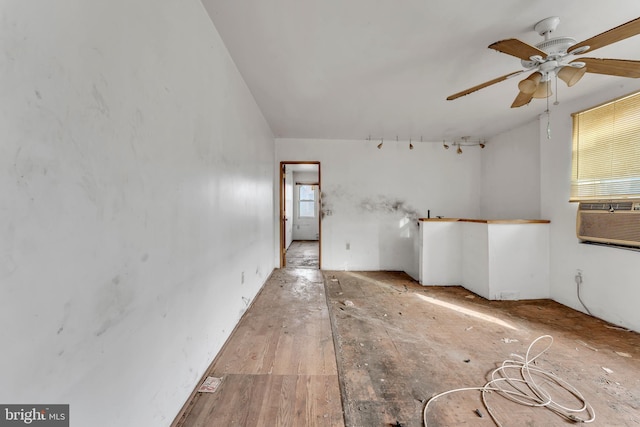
[326, 205]
[65, 317]
[114, 301]
[383, 204]
[100, 102]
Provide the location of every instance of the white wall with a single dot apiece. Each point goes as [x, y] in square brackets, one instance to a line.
[372, 198]
[510, 175]
[611, 288]
[136, 174]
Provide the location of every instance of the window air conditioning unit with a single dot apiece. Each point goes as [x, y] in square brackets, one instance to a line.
[612, 222]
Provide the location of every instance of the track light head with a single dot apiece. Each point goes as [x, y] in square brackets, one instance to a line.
[444, 144]
[380, 145]
[481, 145]
[459, 150]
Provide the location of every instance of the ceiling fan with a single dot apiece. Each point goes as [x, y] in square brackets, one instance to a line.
[556, 57]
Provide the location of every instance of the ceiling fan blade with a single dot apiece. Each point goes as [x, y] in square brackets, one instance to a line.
[613, 35]
[483, 85]
[613, 67]
[522, 99]
[517, 48]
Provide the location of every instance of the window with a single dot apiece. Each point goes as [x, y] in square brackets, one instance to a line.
[307, 201]
[606, 151]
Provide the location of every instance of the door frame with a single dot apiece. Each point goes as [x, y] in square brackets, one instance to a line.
[282, 217]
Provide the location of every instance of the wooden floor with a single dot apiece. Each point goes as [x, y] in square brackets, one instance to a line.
[396, 344]
[279, 366]
[399, 343]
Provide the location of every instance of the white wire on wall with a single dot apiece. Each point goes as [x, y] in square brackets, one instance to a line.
[525, 390]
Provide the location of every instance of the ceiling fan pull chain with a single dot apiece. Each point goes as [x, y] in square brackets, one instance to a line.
[549, 113]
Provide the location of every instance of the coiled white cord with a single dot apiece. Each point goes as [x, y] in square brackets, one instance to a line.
[525, 390]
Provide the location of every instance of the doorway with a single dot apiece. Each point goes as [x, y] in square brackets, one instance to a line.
[300, 215]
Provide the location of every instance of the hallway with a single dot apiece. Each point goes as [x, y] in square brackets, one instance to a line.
[303, 254]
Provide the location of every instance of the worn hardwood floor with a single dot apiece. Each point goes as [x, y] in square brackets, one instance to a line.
[397, 344]
[279, 365]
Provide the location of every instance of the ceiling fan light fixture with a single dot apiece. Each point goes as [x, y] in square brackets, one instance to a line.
[530, 84]
[543, 91]
[571, 75]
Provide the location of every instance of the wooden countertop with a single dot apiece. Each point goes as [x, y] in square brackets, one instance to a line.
[488, 221]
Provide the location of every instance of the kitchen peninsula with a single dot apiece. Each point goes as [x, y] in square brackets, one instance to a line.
[496, 259]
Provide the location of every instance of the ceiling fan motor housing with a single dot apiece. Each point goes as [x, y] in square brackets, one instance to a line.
[555, 48]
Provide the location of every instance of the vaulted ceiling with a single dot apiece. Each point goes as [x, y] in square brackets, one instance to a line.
[349, 69]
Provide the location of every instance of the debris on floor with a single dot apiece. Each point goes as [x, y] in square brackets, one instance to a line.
[619, 353]
[508, 340]
[210, 385]
[586, 345]
[607, 370]
[348, 303]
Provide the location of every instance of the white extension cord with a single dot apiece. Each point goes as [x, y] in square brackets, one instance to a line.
[525, 390]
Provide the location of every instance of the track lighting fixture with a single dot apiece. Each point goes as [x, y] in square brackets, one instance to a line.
[464, 141]
[458, 143]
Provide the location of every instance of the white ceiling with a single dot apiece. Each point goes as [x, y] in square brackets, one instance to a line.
[347, 69]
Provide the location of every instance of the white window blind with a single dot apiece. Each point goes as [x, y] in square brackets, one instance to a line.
[606, 151]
